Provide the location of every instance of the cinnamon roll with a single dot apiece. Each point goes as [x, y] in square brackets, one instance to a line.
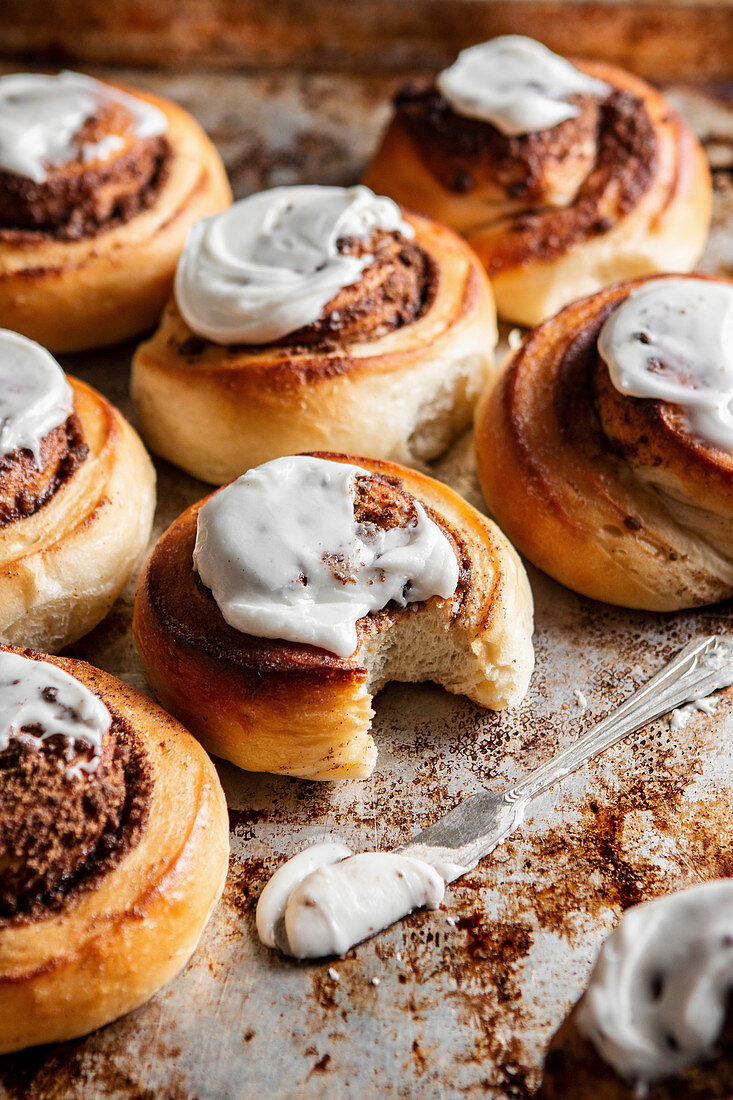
[315, 317]
[655, 1019]
[268, 615]
[98, 188]
[606, 449]
[77, 496]
[114, 842]
[562, 176]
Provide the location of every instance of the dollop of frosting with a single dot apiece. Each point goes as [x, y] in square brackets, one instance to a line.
[35, 396]
[270, 263]
[40, 116]
[672, 340]
[515, 83]
[284, 556]
[657, 998]
[39, 700]
[325, 900]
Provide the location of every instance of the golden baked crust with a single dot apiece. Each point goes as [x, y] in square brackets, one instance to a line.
[597, 200]
[299, 710]
[72, 294]
[105, 950]
[401, 394]
[608, 494]
[63, 565]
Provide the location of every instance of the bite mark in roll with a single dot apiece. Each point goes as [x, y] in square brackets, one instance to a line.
[563, 177]
[625, 498]
[312, 317]
[113, 848]
[77, 496]
[372, 571]
[98, 186]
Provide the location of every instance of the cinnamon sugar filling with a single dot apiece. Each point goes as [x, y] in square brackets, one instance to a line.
[596, 419]
[24, 486]
[464, 153]
[173, 584]
[383, 502]
[393, 291]
[615, 170]
[58, 835]
[80, 199]
[397, 288]
[575, 398]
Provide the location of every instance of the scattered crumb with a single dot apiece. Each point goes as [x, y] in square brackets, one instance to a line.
[580, 700]
[376, 981]
[333, 974]
[398, 956]
[451, 922]
[514, 339]
[679, 718]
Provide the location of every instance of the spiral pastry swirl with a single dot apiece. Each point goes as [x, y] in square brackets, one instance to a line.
[108, 874]
[77, 496]
[98, 187]
[295, 708]
[618, 190]
[390, 365]
[616, 496]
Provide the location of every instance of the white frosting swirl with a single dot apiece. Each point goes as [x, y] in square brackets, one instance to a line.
[672, 340]
[273, 900]
[35, 396]
[38, 700]
[270, 263]
[285, 558]
[515, 83]
[325, 900]
[657, 997]
[41, 115]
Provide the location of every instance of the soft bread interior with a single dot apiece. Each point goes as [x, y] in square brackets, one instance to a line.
[425, 645]
[62, 568]
[706, 526]
[449, 408]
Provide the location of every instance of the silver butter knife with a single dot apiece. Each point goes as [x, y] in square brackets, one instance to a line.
[322, 903]
[477, 826]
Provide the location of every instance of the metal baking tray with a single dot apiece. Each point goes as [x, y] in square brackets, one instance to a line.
[459, 1002]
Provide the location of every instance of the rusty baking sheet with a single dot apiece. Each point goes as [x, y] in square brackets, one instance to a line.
[659, 39]
[459, 1002]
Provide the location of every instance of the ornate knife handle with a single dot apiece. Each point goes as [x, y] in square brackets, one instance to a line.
[702, 667]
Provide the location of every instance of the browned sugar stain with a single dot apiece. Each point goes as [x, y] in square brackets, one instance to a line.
[579, 871]
[63, 1070]
[245, 882]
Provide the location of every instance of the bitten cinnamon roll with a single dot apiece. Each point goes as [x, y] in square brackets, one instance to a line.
[269, 614]
[114, 842]
[315, 317]
[77, 496]
[655, 1020]
[606, 449]
[563, 176]
[98, 188]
